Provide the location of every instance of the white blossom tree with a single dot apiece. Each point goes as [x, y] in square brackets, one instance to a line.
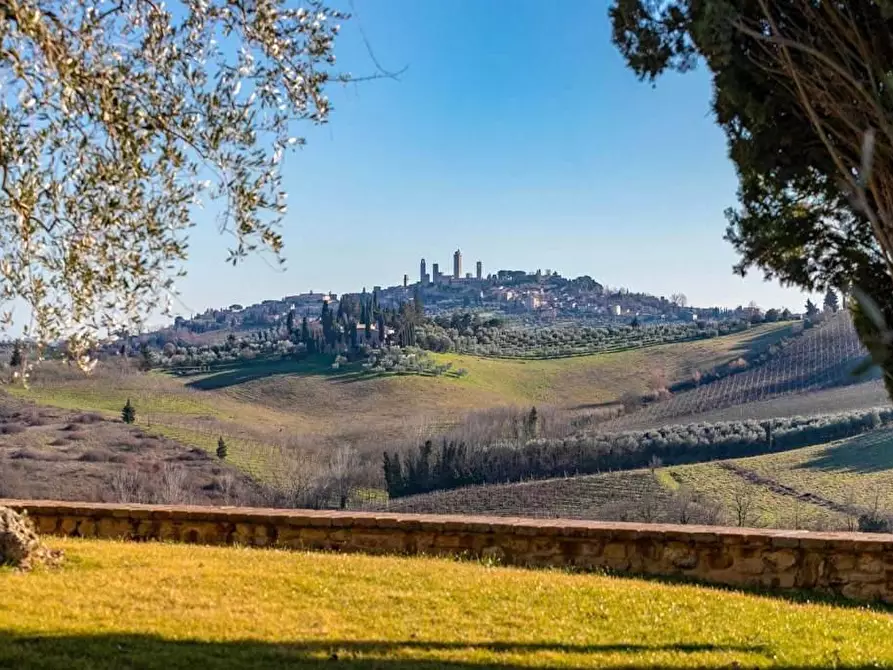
[117, 119]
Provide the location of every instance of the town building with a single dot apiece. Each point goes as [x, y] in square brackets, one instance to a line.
[457, 264]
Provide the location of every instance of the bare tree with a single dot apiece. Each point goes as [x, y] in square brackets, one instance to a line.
[743, 504]
[647, 507]
[654, 464]
[344, 470]
[679, 300]
[299, 478]
[172, 486]
[126, 486]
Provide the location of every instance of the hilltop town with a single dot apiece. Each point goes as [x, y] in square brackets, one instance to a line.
[540, 297]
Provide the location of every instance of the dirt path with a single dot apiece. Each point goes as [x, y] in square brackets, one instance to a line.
[781, 489]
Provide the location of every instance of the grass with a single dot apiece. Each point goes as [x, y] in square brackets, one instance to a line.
[170, 606]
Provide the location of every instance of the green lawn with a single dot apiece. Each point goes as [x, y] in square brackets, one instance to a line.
[128, 605]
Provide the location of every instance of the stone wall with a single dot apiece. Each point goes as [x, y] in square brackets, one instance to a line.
[853, 565]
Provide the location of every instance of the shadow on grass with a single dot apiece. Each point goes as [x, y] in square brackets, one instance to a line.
[872, 452]
[248, 372]
[761, 341]
[148, 651]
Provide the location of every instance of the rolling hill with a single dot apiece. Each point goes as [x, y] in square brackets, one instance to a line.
[306, 404]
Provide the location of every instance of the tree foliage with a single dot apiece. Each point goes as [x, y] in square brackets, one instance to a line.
[117, 119]
[801, 90]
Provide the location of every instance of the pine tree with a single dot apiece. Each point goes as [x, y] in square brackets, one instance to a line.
[16, 359]
[221, 448]
[811, 309]
[831, 302]
[128, 414]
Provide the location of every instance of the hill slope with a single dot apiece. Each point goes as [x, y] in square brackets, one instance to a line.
[823, 357]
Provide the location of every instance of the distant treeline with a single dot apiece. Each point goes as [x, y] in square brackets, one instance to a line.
[469, 333]
[452, 464]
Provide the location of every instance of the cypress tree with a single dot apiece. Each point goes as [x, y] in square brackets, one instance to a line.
[128, 413]
[531, 427]
[15, 360]
[831, 301]
[221, 448]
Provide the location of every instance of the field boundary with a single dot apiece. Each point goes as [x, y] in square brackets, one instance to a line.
[852, 565]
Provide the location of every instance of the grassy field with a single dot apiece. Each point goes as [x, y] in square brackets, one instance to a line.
[306, 404]
[162, 606]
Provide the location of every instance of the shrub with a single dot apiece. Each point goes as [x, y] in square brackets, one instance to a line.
[873, 523]
[89, 417]
[221, 448]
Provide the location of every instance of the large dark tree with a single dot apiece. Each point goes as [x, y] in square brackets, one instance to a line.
[801, 89]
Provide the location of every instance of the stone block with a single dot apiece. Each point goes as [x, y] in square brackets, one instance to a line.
[681, 556]
[167, 531]
[614, 551]
[45, 525]
[313, 537]
[870, 563]
[717, 559]
[780, 560]
[69, 525]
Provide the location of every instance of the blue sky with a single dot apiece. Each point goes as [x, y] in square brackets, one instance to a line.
[516, 134]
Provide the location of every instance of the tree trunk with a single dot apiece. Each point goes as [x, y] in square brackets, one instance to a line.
[869, 334]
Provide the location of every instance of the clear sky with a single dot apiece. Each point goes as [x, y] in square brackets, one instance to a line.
[516, 134]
